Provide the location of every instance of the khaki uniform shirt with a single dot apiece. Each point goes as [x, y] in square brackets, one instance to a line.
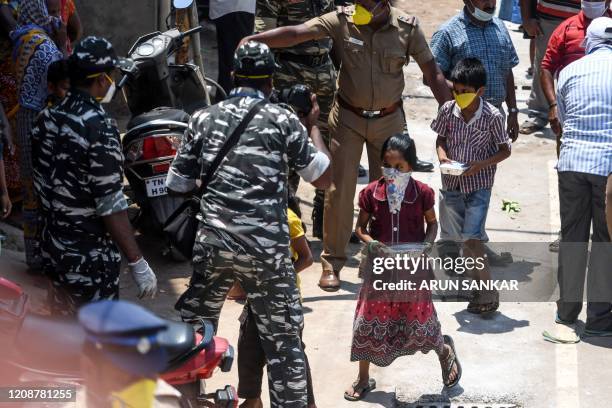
[371, 75]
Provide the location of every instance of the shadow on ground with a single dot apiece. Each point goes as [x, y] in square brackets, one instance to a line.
[380, 399]
[496, 324]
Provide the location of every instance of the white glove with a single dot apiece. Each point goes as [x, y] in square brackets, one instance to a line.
[144, 277]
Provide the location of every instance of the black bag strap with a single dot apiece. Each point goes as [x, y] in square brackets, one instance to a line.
[229, 144]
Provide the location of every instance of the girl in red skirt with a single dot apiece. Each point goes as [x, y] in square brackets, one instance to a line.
[395, 210]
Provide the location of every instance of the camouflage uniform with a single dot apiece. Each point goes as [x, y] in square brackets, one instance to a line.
[78, 177]
[243, 224]
[243, 218]
[319, 73]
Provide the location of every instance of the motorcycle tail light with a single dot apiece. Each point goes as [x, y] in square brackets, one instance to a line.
[156, 147]
[160, 167]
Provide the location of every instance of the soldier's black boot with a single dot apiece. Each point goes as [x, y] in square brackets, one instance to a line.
[317, 214]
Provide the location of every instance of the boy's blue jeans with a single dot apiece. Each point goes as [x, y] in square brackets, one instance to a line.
[463, 215]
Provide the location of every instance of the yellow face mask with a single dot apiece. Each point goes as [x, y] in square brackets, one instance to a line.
[465, 99]
[141, 394]
[362, 15]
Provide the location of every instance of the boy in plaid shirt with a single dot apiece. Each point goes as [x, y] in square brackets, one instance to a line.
[470, 131]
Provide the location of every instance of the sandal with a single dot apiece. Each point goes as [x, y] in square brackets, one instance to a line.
[484, 307]
[361, 391]
[532, 125]
[236, 293]
[448, 363]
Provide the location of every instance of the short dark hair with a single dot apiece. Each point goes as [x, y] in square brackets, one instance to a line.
[58, 71]
[469, 72]
[255, 83]
[403, 143]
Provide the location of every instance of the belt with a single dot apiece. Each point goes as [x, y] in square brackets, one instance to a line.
[369, 114]
[310, 60]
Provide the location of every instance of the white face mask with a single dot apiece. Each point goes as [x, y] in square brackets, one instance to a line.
[396, 187]
[593, 9]
[481, 15]
[110, 94]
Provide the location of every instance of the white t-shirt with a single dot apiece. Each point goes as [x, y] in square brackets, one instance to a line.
[219, 8]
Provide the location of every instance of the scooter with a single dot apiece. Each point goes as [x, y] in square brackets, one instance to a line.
[42, 349]
[161, 96]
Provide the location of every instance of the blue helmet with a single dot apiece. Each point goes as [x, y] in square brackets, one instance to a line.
[127, 334]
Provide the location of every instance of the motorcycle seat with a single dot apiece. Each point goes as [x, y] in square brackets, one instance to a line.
[178, 339]
[50, 343]
[159, 114]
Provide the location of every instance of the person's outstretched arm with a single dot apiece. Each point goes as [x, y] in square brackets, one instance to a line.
[284, 37]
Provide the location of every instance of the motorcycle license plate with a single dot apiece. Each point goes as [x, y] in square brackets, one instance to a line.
[156, 186]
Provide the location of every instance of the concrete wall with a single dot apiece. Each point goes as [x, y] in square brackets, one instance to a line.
[121, 21]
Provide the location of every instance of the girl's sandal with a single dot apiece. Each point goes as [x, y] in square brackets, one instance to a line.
[361, 391]
[448, 363]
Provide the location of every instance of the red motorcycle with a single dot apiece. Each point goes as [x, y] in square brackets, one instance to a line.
[37, 349]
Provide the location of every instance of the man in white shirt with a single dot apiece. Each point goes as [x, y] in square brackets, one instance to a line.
[234, 20]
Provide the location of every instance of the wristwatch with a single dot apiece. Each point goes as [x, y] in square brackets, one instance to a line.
[513, 110]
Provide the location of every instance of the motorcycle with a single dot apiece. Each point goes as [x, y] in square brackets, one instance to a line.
[161, 96]
[192, 355]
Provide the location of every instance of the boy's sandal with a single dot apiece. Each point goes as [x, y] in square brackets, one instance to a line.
[360, 391]
[501, 259]
[484, 304]
[487, 309]
[448, 363]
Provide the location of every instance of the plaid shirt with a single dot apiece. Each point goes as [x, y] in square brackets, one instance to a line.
[460, 38]
[476, 140]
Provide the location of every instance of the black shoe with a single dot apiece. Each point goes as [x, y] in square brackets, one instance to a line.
[362, 171]
[423, 166]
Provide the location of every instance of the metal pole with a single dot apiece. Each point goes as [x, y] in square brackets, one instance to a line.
[163, 10]
[196, 46]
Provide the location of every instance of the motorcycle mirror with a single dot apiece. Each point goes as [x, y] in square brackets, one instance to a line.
[182, 4]
[9, 290]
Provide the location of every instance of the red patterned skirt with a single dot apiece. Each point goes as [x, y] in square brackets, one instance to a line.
[386, 330]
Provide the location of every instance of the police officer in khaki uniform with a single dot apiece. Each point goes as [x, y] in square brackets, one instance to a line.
[308, 63]
[374, 41]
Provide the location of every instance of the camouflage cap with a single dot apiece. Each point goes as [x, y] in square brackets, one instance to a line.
[94, 54]
[254, 60]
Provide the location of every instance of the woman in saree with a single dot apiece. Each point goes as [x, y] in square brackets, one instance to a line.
[38, 41]
[8, 95]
